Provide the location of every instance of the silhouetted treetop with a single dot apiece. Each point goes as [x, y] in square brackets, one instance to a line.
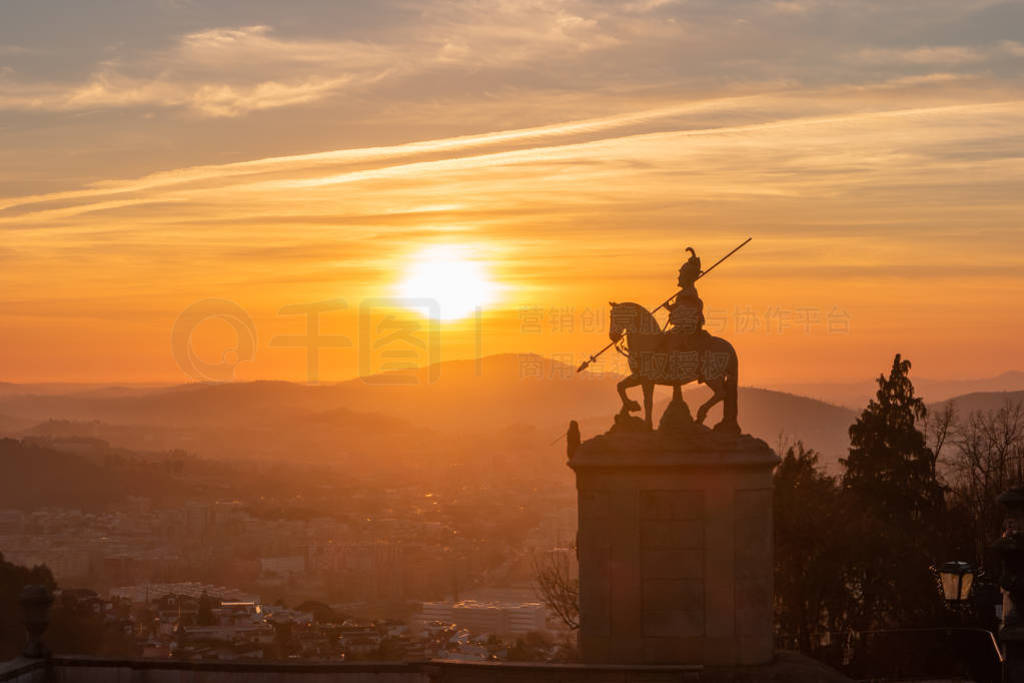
[890, 463]
[896, 510]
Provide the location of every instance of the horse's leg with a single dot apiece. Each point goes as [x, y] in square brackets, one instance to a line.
[717, 386]
[628, 404]
[648, 402]
[731, 389]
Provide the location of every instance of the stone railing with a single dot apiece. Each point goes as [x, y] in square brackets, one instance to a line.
[58, 669]
[24, 670]
[37, 665]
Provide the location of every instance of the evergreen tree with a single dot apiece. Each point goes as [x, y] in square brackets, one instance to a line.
[12, 579]
[69, 632]
[810, 594]
[896, 509]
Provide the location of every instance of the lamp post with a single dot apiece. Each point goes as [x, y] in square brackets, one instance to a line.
[957, 578]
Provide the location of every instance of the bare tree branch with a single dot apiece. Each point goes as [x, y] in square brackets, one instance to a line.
[558, 589]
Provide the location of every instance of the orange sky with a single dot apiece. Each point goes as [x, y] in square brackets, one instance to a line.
[881, 182]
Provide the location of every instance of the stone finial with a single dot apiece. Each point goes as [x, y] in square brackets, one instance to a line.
[572, 439]
[35, 603]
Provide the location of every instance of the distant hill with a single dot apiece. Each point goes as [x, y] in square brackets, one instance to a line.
[857, 394]
[63, 388]
[505, 388]
[500, 418]
[457, 407]
[13, 425]
[983, 401]
[29, 479]
[821, 426]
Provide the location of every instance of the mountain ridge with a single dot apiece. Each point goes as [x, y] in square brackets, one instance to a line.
[471, 401]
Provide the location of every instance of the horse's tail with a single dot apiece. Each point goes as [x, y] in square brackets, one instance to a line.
[730, 409]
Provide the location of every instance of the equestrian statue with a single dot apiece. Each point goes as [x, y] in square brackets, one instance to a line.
[683, 353]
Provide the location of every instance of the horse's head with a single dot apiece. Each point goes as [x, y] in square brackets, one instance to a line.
[630, 318]
[616, 322]
[623, 319]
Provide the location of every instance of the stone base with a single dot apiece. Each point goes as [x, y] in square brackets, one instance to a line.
[675, 547]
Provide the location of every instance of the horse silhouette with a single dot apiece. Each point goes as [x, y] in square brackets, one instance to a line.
[657, 357]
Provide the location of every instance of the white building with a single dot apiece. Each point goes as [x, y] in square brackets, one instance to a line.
[525, 617]
[145, 592]
[283, 566]
[499, 618]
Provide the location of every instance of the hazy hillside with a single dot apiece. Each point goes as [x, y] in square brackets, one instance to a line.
[984, 401]
[508, 405]
[32, 476]
[63, 388]
[509, 408]
[104, 477]
[821, 426]
[857, 394]
[13, 425]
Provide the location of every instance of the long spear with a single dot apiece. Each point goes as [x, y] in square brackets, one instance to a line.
[664, 303]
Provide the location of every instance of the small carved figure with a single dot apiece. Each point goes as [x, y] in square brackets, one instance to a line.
[572, 439]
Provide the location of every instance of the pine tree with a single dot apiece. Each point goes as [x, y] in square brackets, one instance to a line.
[897, 509]
[12, 579]
[810, 595]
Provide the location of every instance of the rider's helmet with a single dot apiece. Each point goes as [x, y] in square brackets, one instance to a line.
[690, 270]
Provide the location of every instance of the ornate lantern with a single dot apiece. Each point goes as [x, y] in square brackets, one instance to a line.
[957, 579]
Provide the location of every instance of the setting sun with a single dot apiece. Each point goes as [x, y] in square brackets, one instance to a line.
[450, 277]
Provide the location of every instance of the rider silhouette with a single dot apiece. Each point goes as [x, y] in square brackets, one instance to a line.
[686, 310]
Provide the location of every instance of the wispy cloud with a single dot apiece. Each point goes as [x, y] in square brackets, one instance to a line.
[347, 157]
[511, 31]
[1012, 48]
[580, 154]
[946, 54]
[221, 72]
[228, 71]
[15, 50]
[937, 55]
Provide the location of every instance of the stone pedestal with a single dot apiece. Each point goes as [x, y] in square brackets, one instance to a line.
[675, 547]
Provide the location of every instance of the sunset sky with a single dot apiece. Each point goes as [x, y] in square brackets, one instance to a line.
[561, 154]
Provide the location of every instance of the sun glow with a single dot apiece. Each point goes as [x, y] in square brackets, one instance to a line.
[447, 283]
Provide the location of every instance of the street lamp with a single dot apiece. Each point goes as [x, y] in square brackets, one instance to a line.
[957, 578]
